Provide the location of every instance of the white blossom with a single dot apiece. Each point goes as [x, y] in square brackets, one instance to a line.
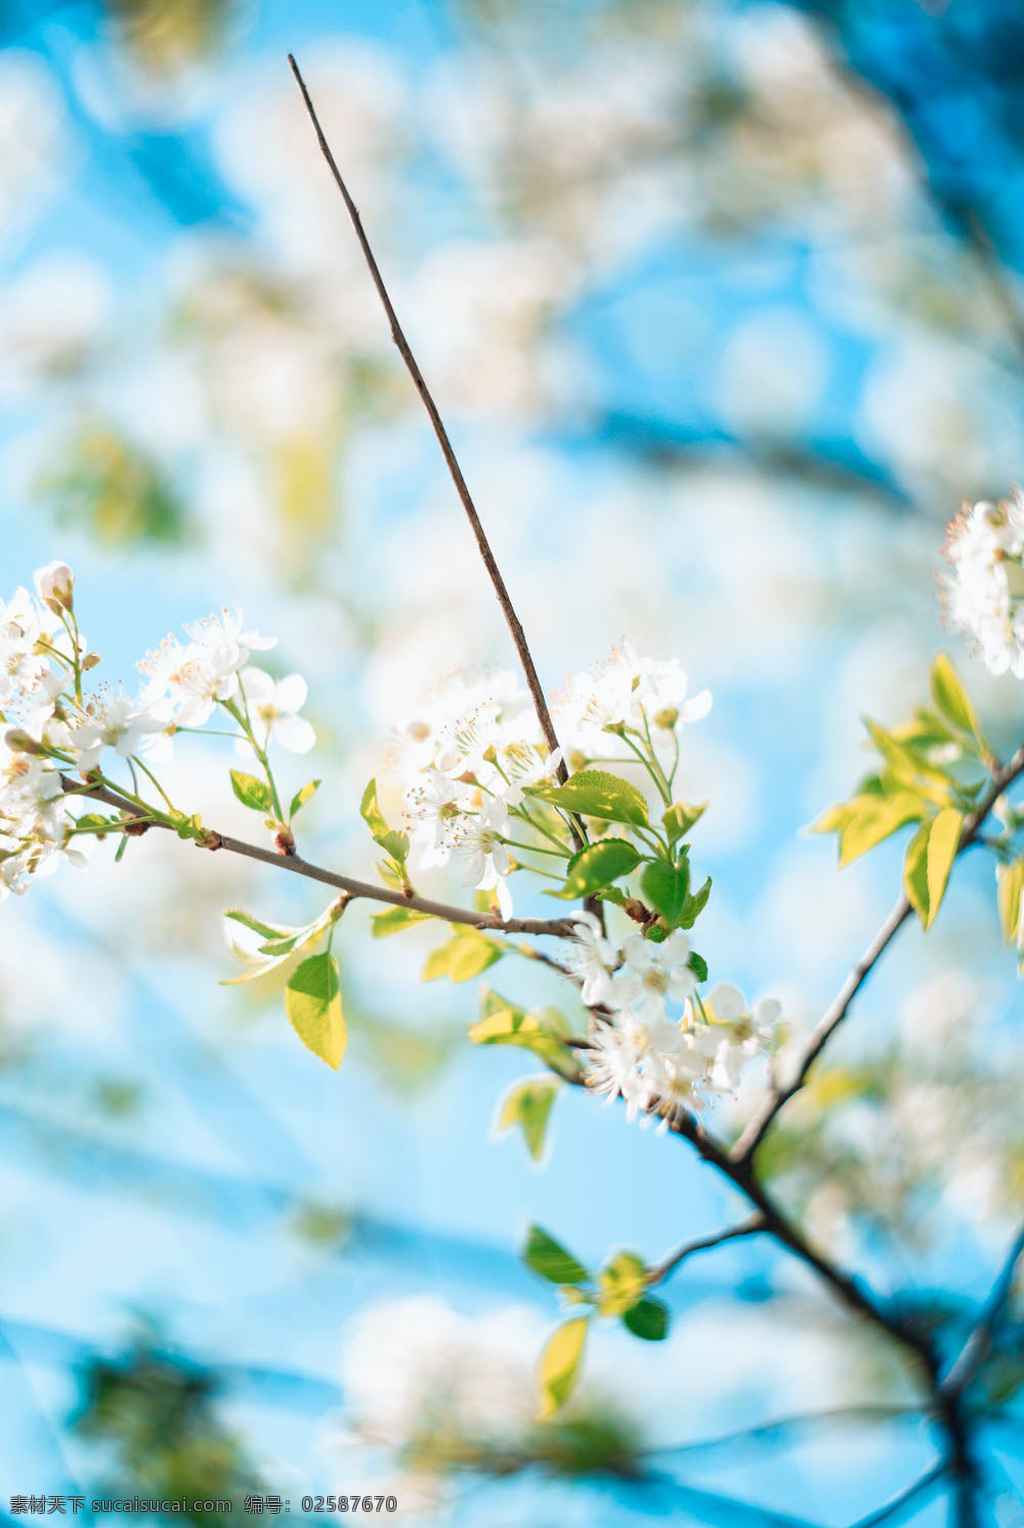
[273, 707]
[55, 586]
[984, 592]
[652, 974]
[627, 690]
[478, 845]
[196, 675]
[590, 958]
[112, 721]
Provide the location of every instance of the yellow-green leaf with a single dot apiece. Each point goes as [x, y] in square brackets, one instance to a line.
[871, 819]
[312, 1002]
[528, 1105]
[1010, 891]
[395, 920]
[544, 1032]
[463, 956]
[953, 700]
[252, 792]
[680, 817]
[929, 860]
[622, 1282]
[559, 1365]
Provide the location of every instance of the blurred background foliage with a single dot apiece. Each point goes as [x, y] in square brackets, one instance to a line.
[722, 302]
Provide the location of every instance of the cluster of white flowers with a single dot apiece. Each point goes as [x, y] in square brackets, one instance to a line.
[56, 731]
[661, 1046]
[984, 593]
[648, 695]
[464, 760]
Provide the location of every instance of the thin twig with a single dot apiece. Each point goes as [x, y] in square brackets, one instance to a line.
[559, 928]
[398, 335]
[902, 1499]
[660, 1271]
[979, 1344]
[778, 1097]
[794, 1422]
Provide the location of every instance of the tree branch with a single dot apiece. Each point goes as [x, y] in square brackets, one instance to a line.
[660, 1271]
[894, 1506]
[398, 335]
[779, 1096]
[559, 928]
[979, 1344]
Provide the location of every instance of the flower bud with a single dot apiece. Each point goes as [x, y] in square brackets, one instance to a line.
[20, 741]
[55, 585]
[91, 661]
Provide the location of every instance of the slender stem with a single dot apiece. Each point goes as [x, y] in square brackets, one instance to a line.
[979, 1344]
[660, 1271]
[153, 779]
[780, 1095]
[451, 461]
[538, 827]
[903, 1498]
[558, 928]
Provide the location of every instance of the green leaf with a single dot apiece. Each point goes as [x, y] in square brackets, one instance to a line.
[1010, 892]
[698, 965]
[544, 1032]
[463, 956]
[312, 1002]
[648, 1319]
[528, 1104]
[393, 842]
[680, 818]
[395, 920]
[551, 1260]
[596, 793]
[96, 823]
[953, 700]
[696, 904]
[929, 860]
[268, 930]
[301, 797]
[559, 1365]
[622, 1282]
[666, 887]
[251, 792]
[596, 867]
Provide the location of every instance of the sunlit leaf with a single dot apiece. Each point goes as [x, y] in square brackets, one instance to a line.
[528, 1104]
[559, 1365]
[312, 1002]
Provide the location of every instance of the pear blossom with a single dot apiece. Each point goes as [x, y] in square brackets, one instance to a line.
[652, 974]
[273, 707]
[196, 675]
[737, 1033]
[613, 1067]
[590, 958]
[222, 641]
[431, 811]
[984, 592]
[479, 846]
[26, 629]
[111, 721]
[55, 586]
[627, 690]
